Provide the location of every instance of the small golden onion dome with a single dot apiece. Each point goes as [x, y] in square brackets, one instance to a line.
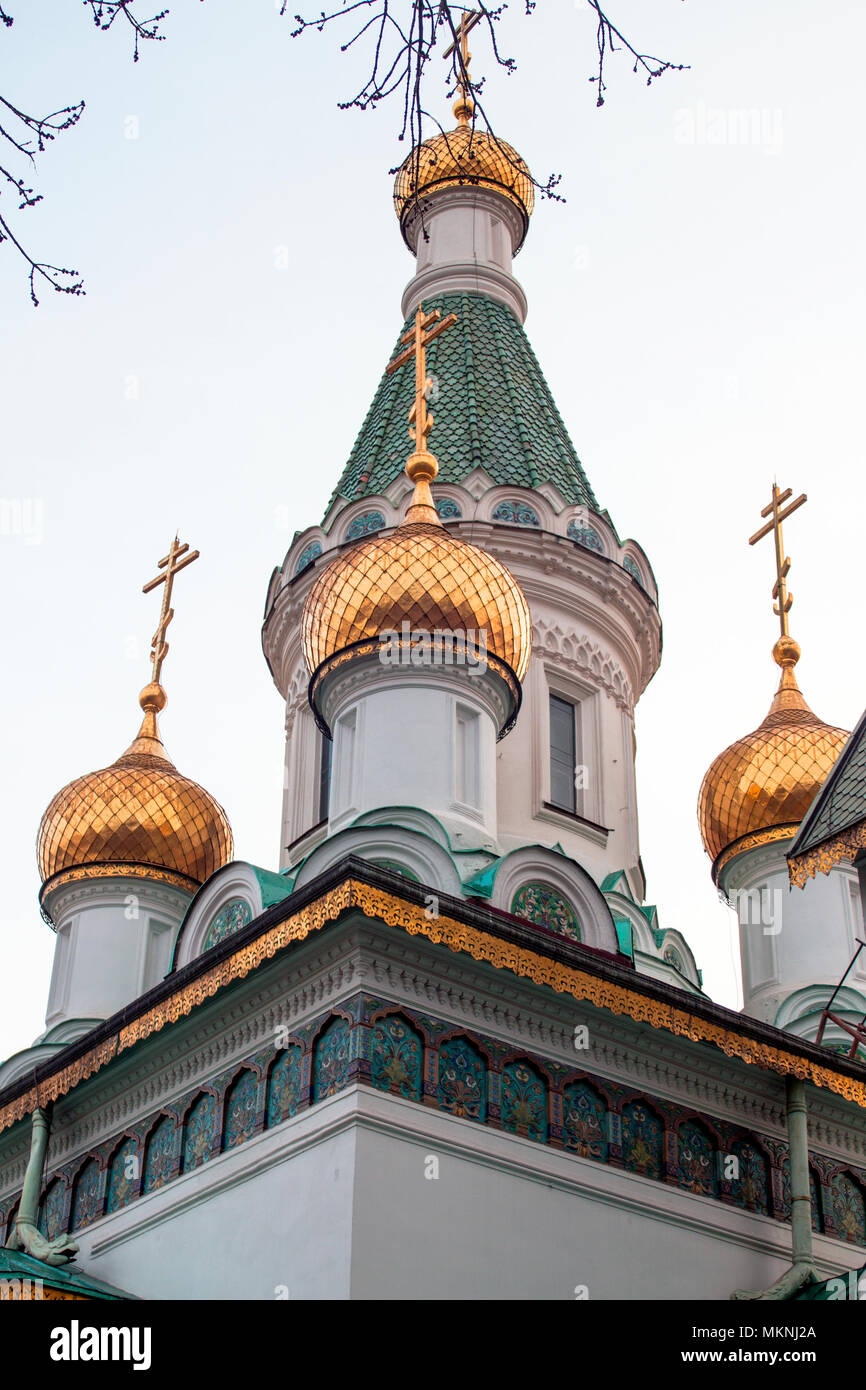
[458, 158]
[761, 787]
[139, 816]
[423, 575]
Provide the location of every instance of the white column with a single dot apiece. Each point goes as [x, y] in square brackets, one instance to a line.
[472, 235]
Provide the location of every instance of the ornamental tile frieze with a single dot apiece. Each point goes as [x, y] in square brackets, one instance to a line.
[417, 1057]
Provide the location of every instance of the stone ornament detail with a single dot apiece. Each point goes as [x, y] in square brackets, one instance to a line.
[515, 513]
[307, 556]
[587, 657]
[365, 525]
[458, 936]
[543, 905]
[586, 536]
[227, 921]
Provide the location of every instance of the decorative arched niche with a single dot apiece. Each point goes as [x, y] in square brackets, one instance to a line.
[549, 880]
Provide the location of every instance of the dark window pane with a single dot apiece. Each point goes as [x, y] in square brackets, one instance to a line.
[325, 777]
[562, 754]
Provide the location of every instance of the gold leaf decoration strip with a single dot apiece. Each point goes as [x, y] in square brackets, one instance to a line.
[447, 931]
[846, 845]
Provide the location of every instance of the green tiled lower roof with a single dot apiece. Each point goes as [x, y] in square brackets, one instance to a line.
[841, 802]
[494, 410]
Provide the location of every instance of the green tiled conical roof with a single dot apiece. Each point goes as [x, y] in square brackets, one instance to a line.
[494, 410]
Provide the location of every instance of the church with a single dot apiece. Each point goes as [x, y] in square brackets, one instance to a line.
[444, 1047]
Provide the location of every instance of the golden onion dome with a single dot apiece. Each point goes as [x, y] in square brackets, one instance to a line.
[760, 788]
[461, 157]
[420, 575]
[138, 817]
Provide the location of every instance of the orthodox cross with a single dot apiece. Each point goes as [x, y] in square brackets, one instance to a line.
[465, 105]
[419, 338]
[171, 564]
[775, 509]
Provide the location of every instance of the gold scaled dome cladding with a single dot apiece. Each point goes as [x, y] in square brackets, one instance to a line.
[420, 574]
[762, 786]
[139, 816]
[461, 157]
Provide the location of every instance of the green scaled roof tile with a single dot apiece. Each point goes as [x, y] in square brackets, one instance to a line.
[841, 802]
[492, 410]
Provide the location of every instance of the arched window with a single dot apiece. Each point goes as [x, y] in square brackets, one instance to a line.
[584, 1121]
[198, 1132]
[396, 1057]
[749, 1183]
[642, 1140]
[159, 1155]
[523, 1105]
[849, 1211]
[86, 1196]
[242, 1102]
[364, 525]
[585, 536]
[284, 1085]
[545, 905]
[514, 512]
[333, 1057]
[462, 1080]
[307, 556]
[124, 1170]
[51, 1212]
[227, 921]
[696, 1166]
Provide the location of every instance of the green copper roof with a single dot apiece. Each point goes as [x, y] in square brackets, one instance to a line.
[16, 1265]
[492, 409]
[841, 802]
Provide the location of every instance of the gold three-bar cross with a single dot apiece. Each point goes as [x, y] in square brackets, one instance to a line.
[464, 108]
[171, 564]
[779, 513]
[419, 336]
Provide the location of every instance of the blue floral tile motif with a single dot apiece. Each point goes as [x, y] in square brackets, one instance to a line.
[584, 1121]
[849, 1212]
[332, 1060]
[228, 920]
[515, 513]
[123, 1171]
[750, 1189]
[396, 1056]
[365, 525]
[307, 556]
[540, 903]
[242, 1102]
[696, 1159]
[198, 1134]
[524, 1101]
[814, 1195]
[462, 1080]
[673, 957]
[631, 568]
[159, 1158]
[284, 1086]
[86, 1201]
[448, 509]
[586, 536]
[642, 1140]
[51, 1215]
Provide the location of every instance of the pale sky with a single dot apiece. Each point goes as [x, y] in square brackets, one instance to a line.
[695, 304]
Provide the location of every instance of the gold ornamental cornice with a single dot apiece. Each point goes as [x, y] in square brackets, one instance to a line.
[844, 846]
[385, 906]
[149, 871]
[746, 842]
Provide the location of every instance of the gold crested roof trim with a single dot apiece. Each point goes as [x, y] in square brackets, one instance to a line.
[448, 931]
[846, 845]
